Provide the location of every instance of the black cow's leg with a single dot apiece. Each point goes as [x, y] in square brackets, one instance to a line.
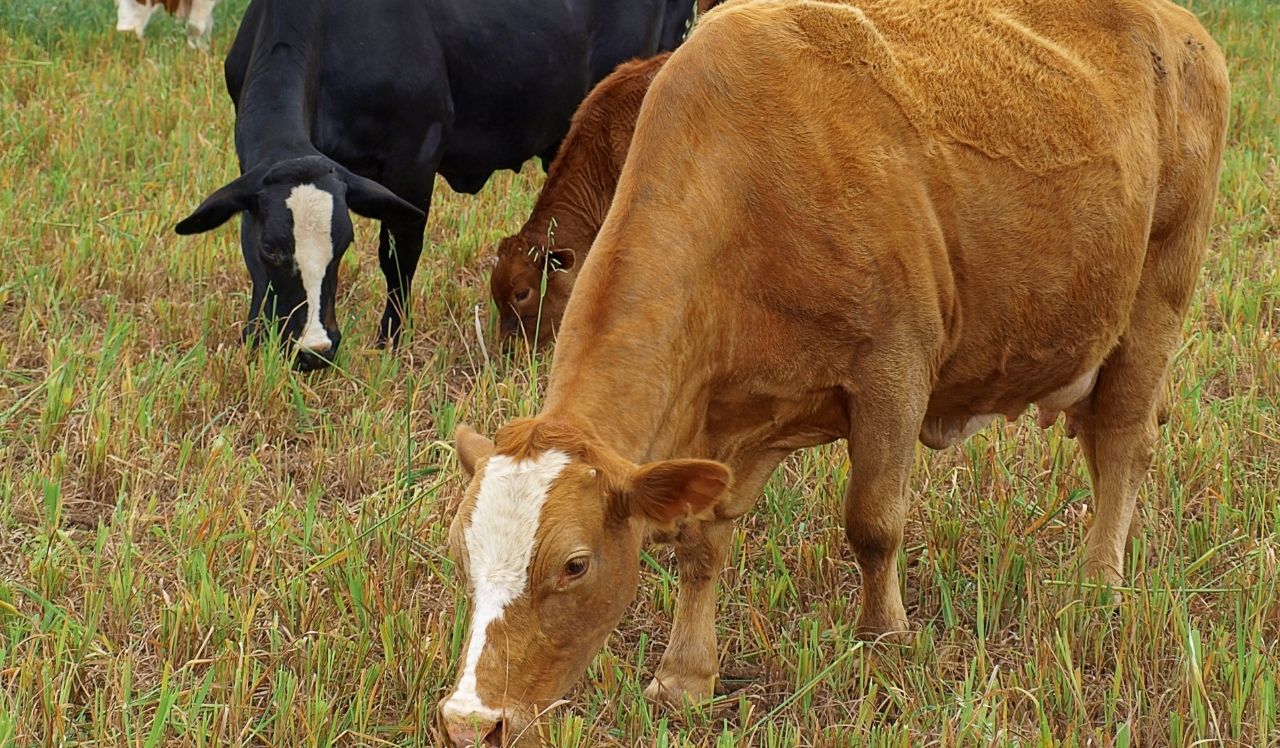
[399, 247]
[400, 242]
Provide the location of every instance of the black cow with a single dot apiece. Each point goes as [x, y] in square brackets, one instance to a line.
[357, 104]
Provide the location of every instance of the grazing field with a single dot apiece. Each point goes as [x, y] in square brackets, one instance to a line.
[202, 547]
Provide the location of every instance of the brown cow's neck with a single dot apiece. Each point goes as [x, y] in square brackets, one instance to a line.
[633, 364]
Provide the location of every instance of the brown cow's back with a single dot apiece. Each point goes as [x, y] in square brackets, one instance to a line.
[813, 162]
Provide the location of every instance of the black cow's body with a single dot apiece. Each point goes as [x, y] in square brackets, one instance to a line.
[395, 91]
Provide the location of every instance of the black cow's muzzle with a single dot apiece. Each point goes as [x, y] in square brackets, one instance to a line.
[309, 360]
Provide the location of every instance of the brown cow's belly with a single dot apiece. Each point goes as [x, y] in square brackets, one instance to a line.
[1038, 306]
[940, 432]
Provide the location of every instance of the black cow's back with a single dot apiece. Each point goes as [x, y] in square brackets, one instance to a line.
[497, 79]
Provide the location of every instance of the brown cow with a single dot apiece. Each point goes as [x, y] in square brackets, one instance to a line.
[879, 220]
[571, 207]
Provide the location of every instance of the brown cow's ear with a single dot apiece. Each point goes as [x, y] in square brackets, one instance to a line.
[666, 491]
[472, 447]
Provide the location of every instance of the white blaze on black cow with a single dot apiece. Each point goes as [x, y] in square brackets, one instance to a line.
[312, 210]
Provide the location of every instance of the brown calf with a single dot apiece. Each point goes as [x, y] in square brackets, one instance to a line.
[880, 221]
[571, 207]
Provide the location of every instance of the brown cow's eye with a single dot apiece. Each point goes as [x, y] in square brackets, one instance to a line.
[523, 295]
[574, 568]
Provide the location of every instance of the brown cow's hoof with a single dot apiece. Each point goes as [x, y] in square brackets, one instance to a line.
[1101, 574]
[677, 690]
[890, 631]
[1102, 580]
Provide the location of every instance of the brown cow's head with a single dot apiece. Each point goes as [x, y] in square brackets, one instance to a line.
[548, 536]
[517, 287]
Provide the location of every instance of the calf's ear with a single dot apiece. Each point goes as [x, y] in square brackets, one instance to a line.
[561, 259]
[371, 200]
[663, 492]
[471, 447]
[219, 207]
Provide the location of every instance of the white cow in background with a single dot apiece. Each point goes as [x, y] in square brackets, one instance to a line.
[133, 15]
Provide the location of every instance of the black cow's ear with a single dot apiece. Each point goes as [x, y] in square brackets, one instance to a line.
[219, 207]
[371, 200]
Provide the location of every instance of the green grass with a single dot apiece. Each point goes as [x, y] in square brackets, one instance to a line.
[201, 547]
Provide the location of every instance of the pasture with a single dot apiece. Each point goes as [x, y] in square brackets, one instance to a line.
[200, 546]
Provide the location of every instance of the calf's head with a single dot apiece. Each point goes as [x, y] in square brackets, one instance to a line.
[294, 231]
[516, 285]
[548, 536]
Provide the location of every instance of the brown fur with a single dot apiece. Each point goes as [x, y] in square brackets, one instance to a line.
[832, 226]
[575, 197]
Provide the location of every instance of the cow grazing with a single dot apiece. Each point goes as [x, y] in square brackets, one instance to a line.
[346, 104]
[879, 220]
[571, 206]
[134, 15]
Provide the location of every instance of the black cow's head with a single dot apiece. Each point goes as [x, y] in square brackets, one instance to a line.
[294, 232]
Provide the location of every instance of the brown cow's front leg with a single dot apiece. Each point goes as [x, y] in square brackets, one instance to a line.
[689, 666]
[881, 450]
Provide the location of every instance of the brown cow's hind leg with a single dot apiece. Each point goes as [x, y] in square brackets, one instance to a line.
[1118, 426]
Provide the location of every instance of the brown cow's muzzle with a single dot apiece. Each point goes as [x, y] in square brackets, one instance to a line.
[475, 734]
[480, 729]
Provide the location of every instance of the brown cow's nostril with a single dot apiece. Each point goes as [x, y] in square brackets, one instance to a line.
[472, 734]
[495, 738]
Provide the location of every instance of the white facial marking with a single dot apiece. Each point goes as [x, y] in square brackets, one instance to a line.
[312, 210]
[132, 15]
[499, 546]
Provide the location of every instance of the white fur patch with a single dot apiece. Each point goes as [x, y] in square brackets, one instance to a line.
[499, 547]
[199, 17]
[132, 15]
[312, 210]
